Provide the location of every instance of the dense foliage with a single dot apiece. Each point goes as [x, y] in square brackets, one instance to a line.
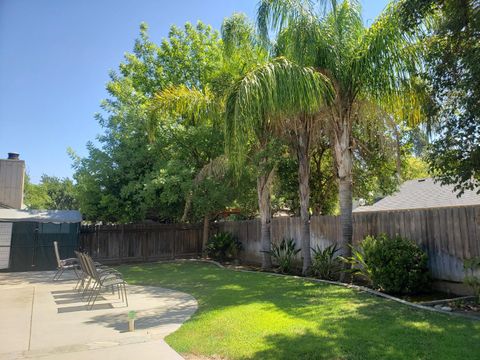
[51, 193]
[393, 264]
[145, 167]
[223, 246]
[453, 73]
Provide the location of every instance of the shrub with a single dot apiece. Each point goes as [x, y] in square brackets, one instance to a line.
[325, 263]
[283, 254]
[472, 276]
[223, 246]
[395, 265]
[358, 265]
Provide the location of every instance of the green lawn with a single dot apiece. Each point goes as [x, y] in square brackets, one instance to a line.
[260, 316]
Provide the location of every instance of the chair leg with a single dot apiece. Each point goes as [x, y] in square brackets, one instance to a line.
[93, 291]
[58, 274]
[80, 281]
[77, 274]
[125, 290]
[85, 288]
[90, 291]
[120, 291]
[95, 298]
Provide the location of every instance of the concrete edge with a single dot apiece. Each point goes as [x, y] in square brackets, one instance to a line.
[337, 283]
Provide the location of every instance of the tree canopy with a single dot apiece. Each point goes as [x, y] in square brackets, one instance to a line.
[52, 193]
[453, 72]
[191, 123]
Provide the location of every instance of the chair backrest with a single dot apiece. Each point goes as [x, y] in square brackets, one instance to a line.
[91, 268]
[57, 254]
[81, 261]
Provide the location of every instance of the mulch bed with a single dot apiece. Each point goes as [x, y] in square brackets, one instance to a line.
[466, 306]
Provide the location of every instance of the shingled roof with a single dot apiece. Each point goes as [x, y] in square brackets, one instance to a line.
[422, 194]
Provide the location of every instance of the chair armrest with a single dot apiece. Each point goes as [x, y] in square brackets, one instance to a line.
[109, 272]
[69, 261]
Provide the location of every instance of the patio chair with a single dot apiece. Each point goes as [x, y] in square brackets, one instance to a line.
[65, 264]
[86, 277]
[103, 279]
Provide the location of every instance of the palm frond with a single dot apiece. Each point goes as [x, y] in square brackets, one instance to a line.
[295, 41]
[274, 91]
[409, 103]
[237, 32]
[388, 56]
[277, 14]
[341, 30]
[189, 104]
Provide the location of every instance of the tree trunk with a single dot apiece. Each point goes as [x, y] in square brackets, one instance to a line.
[206, 228]
[398, 150]
[344, 162]
[304, 194]
[263, 191]
[346, 217]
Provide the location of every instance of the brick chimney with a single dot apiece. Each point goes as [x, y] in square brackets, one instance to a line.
[12, 177]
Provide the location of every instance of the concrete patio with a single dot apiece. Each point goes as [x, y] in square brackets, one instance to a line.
[48, 320]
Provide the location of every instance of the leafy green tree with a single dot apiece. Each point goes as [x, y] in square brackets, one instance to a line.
[51, 193]
[243, 53]
[130, 176]
[453, 72]
[35, 196]
[60, 191]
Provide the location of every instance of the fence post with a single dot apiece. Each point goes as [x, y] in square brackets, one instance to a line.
[175, 232]
[96, 227]
[145, 245]
[122, 242]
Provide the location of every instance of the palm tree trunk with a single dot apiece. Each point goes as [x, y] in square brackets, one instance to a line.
[344, 162]
[263, 191]
[398, 148]
[346, 216]
[304, 194]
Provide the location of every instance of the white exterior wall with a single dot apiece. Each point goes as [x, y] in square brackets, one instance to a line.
[12, 176]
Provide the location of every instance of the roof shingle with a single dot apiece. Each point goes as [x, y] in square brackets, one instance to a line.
[422, 194]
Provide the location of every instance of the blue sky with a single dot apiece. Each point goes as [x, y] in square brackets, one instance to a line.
[55, 56]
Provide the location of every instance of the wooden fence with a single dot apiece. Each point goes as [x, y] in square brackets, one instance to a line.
[449, 235]
[140, 242]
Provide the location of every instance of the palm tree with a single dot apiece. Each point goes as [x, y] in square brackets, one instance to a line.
[362, 64]
[255, 116]
[243, 52]
[301, 131]
[267, 98]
